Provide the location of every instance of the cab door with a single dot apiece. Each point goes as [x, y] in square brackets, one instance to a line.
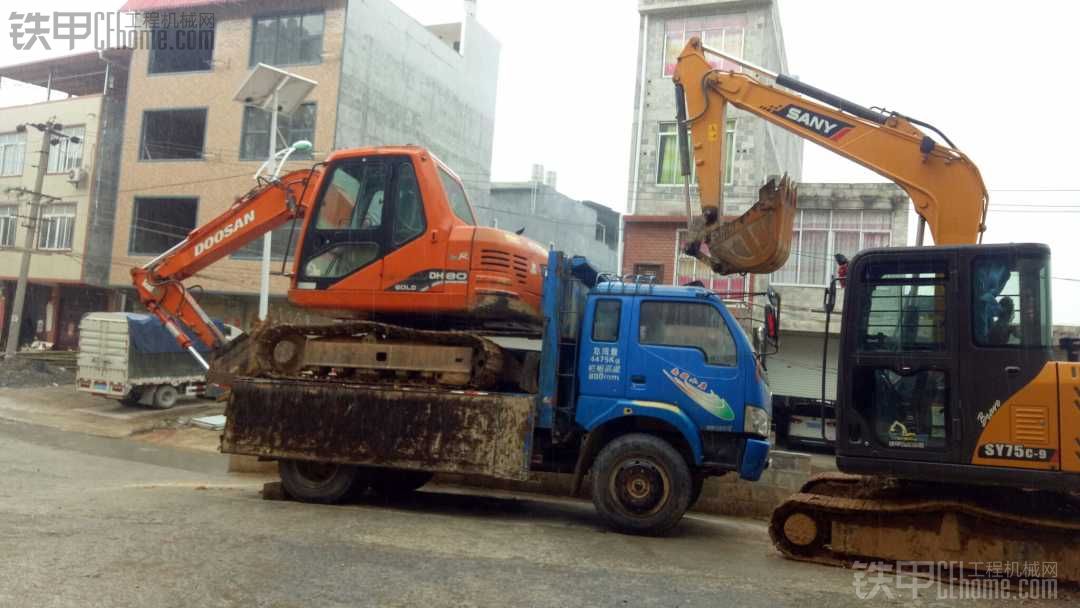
[347, 237]
[686, 355]
[409, 269]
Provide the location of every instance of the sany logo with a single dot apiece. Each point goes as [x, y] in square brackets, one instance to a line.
[224, 233]
[818, 123]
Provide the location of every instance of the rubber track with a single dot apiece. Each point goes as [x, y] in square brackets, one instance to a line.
[485, 375]
[827, 508]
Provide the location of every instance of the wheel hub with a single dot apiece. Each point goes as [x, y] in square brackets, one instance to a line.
[316, 472]
[800, 529]
[640, 487]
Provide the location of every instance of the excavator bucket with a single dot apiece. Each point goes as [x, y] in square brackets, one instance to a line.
[758, 241]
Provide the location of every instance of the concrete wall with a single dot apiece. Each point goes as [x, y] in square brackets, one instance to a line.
[549, 218]
[58, 266]
[401, 84]
[760, 149]
[220, 176]
[106, 182]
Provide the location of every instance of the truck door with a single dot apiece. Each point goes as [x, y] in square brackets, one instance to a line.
[603, 354]
[686, 355]
[347, 237]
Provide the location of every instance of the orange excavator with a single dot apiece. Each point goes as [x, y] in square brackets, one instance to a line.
[389, 244]
[958, 434]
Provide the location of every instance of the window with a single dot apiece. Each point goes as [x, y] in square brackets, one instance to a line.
[688, 324]
[724, 32]
[12, 150]
[279, 243]
[821, 233]
[409, 220]
[182, 49]
[656, 271]
[173, 134]
[66, 155]
[907, 411]
[347, 227]
[287, 39]
[904, 307]
[689, 269]
[459, 203]
[667, 165]
[57, 226]
[606, 321]
[161, 223]
[9, 218]
[601, 232]
[1011, 302]
[255, 142]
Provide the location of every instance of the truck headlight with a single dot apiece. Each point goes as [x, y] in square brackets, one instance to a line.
[756, 420]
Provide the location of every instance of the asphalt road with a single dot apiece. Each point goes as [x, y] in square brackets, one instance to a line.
[88, 521]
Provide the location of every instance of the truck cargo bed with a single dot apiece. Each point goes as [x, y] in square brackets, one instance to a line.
[409, 428]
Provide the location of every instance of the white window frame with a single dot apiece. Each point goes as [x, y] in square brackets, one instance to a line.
[56, 227]
[65, 155]
[9, 222]
[16, 147]
[830, 244]
[729, 159]
[664, 41]
[703, 272]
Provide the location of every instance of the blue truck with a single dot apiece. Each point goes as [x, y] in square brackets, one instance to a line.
[646, 390]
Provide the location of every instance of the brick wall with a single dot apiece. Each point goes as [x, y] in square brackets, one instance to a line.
[651, 241]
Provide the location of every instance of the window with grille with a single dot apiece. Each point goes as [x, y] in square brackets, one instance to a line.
[57, 226]
[821, 233]
[667, 157]
[9, 217]
[723, 32]
[732, 287]
[255, 142]
[65, 154]
[173, 134]
[12, 151]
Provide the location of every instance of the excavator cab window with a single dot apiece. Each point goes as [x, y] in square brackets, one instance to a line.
[347, 232]
[1011, 302]
[455, 194]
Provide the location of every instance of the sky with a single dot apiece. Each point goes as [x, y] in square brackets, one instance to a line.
[997, 78]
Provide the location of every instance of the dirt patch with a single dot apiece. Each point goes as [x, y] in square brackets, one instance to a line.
[23, 373]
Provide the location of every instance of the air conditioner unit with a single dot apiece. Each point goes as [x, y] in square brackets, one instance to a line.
[76, 175]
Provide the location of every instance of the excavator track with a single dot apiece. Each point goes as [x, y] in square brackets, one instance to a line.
[372, 352]
[837, 519]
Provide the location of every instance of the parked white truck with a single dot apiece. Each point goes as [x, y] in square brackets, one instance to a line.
[133, 358]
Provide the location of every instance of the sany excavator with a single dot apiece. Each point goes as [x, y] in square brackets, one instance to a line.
[389, 243]
[958, 435]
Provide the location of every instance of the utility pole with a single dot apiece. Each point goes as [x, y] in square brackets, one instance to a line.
[49, 130]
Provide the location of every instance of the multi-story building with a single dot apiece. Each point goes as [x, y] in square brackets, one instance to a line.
[656, 220]
[554, 220]
[190, 149]
[69, 264]
[833, 218]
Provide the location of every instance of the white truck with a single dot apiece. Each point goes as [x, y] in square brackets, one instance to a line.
[133, 358]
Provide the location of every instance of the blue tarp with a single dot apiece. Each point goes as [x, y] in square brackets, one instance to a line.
[148, 335]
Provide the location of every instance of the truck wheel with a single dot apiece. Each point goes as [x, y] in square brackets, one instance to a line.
[321, 482]
[397, 482]
[641, 485]
[165, 396]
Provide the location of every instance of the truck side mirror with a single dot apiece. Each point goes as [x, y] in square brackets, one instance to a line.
[772, 325]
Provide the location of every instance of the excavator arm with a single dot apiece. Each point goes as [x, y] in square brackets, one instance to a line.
[944, 185]
[159, 283]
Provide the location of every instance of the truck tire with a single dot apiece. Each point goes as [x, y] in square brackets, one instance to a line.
[641, 484]
[398, 482]
[165, 396]
[319, 482]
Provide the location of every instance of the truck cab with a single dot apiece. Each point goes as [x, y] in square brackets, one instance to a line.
[676, 355]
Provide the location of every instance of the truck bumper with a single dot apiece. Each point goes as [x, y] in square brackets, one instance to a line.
[755, 459]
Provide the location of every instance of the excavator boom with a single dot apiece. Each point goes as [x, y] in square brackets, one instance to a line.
[944, 185]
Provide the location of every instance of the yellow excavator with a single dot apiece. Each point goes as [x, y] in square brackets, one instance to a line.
[958, 434]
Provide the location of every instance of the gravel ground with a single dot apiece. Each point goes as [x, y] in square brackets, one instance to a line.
[22, 373]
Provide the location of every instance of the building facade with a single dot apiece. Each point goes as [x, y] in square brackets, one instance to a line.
[191, 150]
[70, 253]
[656, 222]
[554, 220]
